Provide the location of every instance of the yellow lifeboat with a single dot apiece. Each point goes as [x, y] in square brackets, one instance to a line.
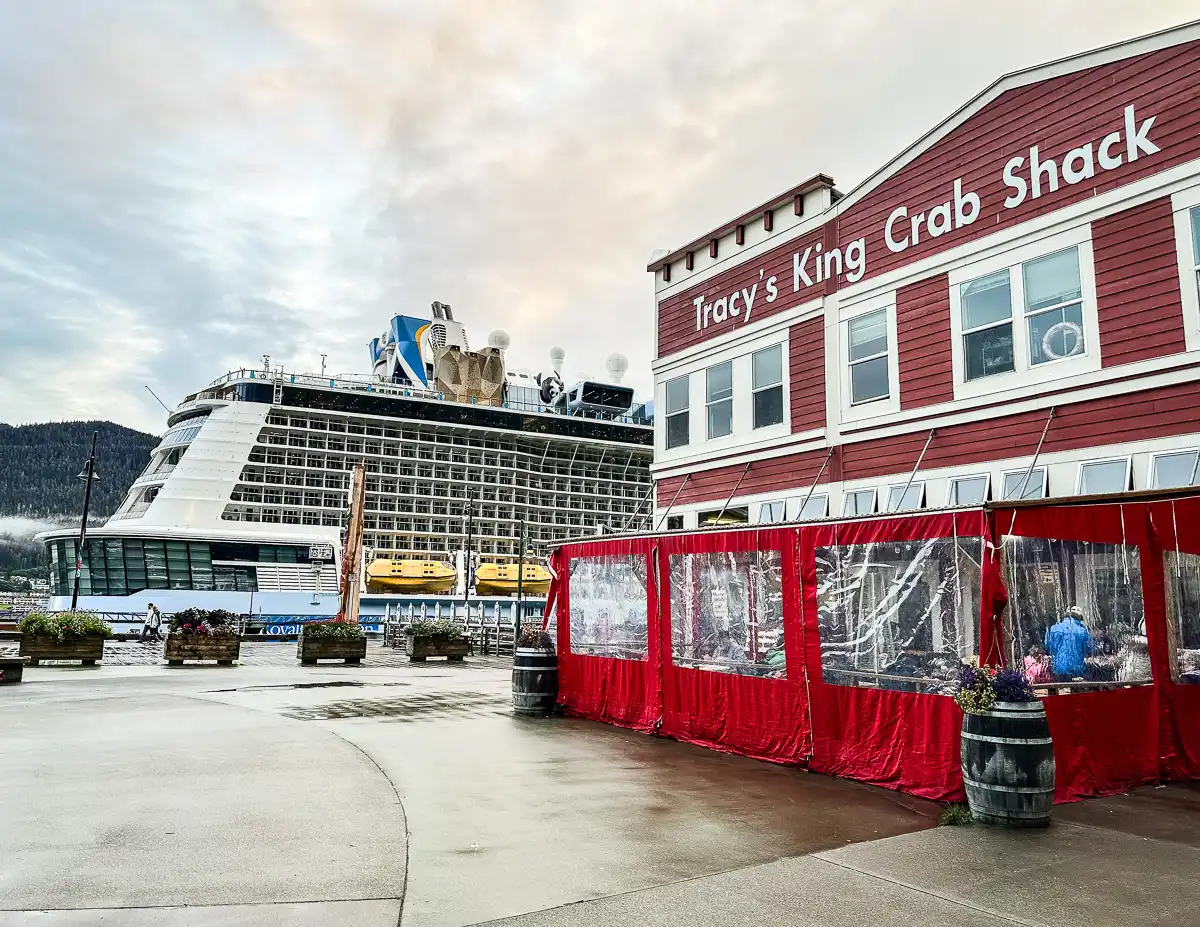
[501, 579]
[387, 574]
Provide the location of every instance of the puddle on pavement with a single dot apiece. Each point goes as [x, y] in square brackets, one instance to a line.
[332, 684]
[424, 707]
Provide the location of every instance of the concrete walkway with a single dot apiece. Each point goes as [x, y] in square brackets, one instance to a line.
[393, 793]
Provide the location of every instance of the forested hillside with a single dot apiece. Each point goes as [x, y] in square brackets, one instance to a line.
[39, 467]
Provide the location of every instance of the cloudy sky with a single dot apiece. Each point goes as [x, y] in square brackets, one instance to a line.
[187, 186]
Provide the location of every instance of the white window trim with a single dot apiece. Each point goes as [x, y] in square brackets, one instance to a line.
[987, 488]
[846, 494]
[918, 485]
[1045, 471]
[686, 411]
[772, 502]
[1128, 461]
[797, 501]
[889, 404]
[1026, 374]
[778, 384]
[1151, 481]
[1182, 204]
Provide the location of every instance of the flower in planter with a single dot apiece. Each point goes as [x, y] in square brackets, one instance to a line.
[980, 687]
[536, 637]
[63, 626]
[201, 622]
[425, 629]
[335, 629]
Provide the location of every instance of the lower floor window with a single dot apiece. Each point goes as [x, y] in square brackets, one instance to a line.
[609, 606]
[859, 502]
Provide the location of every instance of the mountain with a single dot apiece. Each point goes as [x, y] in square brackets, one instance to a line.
[39, 467]
[39, 484]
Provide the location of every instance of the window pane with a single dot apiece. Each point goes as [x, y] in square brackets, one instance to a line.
[1182, 573]
[816, 507]
[677, 430]
[1056, 334]
[1075, 613]
[869, 380]
[768, 366]
[859, 502]
[720, 381]
[768, 407]
[912, 498]
[608, 606]
[971, 490]
[868, 335]
[986, 300]
[770, 512]
[677, 394]
[1034, 489]
[1172, 470]
[899, 615]
[1196, 234]
[727, 612]
[988, 352]
[732, 516]
[720, 418]
[1051, 280]
[1103, 476]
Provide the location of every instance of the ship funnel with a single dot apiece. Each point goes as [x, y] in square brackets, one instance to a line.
[616, 365]
[557, 356]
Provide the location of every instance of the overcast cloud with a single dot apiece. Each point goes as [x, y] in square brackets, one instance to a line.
[187, 186]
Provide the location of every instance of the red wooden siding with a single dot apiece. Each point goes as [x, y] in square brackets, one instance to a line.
[806, 376]
[923, 336]
[1057, 115]
[677, 314]
[1154, 413]
[1137, 284]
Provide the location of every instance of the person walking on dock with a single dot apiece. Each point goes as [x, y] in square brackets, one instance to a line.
[153, 623]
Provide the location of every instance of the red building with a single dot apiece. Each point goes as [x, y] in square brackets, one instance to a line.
[1032, 259]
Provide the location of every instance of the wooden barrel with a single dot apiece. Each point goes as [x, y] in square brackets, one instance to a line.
[1008, 765]
[534, 681]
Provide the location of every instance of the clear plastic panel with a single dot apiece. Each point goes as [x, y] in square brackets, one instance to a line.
[1075, 619]
[1182, 573]
[898, 615]
[608, 606]
[727, 612]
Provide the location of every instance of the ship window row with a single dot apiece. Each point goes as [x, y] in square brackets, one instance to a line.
[124, 566]
[613, 467]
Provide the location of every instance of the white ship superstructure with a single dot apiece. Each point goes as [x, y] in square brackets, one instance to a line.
[254, 469]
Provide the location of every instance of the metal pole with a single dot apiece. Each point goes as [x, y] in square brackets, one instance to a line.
[87, 501]
[1036, 453]
[467, 565]
[912, 476]
[686, 477]
[812, 488]
[732, 494]
[520, 584]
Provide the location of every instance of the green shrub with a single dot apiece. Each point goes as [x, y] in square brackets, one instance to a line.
[956, 814]
[443, 628]
[324, 630]
[204, 622]
[64, 626]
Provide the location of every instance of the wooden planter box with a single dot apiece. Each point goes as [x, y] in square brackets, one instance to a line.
[222, 648]
[309, 651]
[37, 647]
[11, 669]
[420, 648]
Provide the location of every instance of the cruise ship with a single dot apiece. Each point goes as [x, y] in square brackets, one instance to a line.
[244, 501]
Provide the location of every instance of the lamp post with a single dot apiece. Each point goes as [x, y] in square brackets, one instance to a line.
[88, 475]
[520, 580]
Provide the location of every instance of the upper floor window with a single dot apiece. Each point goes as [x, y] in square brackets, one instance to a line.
[814, 507]
[968, 490]
[1046, 325]
[1103, 476]
[1015, 485]
[1176, 468]
[767, 375]
[720, 399]
[1195, 216]
[868, 342]
[859, 502]
[903, 498]
[771, 512]
[677, 412]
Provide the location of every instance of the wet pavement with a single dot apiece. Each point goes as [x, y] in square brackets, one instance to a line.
[268, 793]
